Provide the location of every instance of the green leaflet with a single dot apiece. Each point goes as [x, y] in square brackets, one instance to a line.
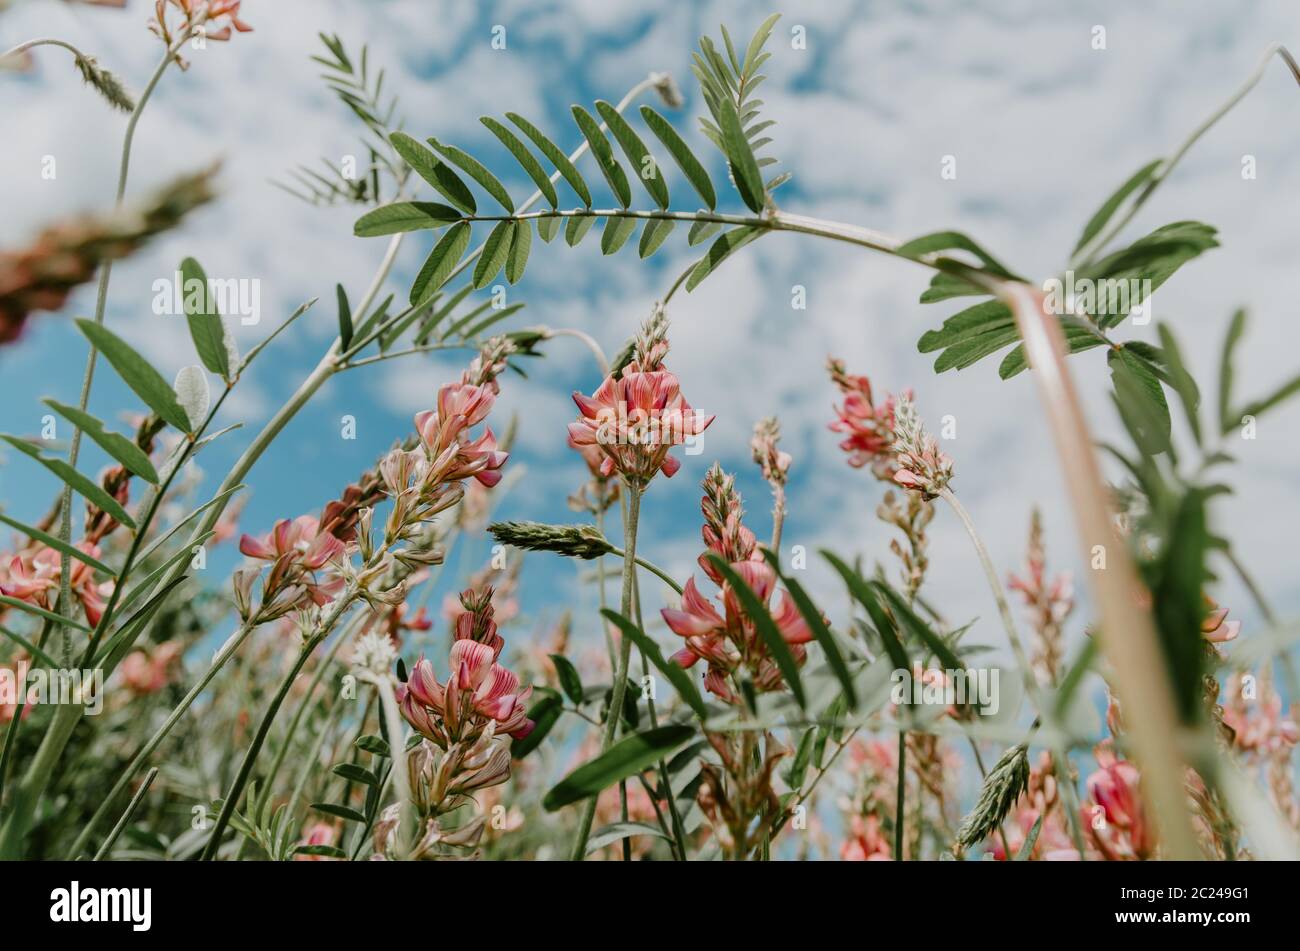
[137, 373]
[744, 167]
[627, 757]
[682, 155]
[115, 444]
[83, 486]
[206, 328]
[442, 260]
[682, 681]
[604, 155]
[530, 165]
[767, 629]
[495, 251]
[617, 231]
[475, 170]
[557, 158]
[401, 216]
[644, 165]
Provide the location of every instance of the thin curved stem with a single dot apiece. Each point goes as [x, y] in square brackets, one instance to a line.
[1086, 254]
[101, 302]
[126, 816]
[596, 351]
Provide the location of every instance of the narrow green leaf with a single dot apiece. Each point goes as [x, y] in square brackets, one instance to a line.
[1141, 401]
[614, 236]
[30, 648]
[702, 231]
[57, 544]
[434, 171]
[965, 324]
[495, 251]
[1181, 381]
[206, 328]
[767, 629]
[682, 155]
[345, 318]
[356, 774]
[442, 260]
[575, 229]
[644, 165]
[137, 373]
[554, 155]
[1027, 847]
[115, 444]
[41, 612]
[724, 247]
[604, 155]
[629, 756]
[340, 812]
[1236, 330]
[1111, 205]
[548, 228]
[866, 596]
[403, 216]
[744, 167]
[817, 624]
[520, 244]
[374, 745]
[570, 679]
[545, 713]
[655, 233]
[617, 831]
[475, 170]
[1077, 340]
[929, 244]
[677, 675]
[524, 158]
[87, 489]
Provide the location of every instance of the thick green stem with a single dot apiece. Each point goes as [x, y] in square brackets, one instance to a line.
[615, 713]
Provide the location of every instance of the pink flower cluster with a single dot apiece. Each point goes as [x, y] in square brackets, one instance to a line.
[478, 691]
[450, 452]
[299, 552]
[868, 428]
[635, 417]
[728, 640]
[34, 578]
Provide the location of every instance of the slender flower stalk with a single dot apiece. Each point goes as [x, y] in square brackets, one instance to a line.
[615, 713]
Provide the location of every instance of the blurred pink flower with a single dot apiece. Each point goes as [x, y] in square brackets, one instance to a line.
[34, 578]
[318, 833]
[1114, 817]
[146, 673]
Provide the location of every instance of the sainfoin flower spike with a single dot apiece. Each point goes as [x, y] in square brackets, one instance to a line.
[868, 428]
[477, 693]
[637, 415]
[920, 464]
[727, 640]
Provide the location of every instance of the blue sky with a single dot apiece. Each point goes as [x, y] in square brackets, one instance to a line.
[1043, 127]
